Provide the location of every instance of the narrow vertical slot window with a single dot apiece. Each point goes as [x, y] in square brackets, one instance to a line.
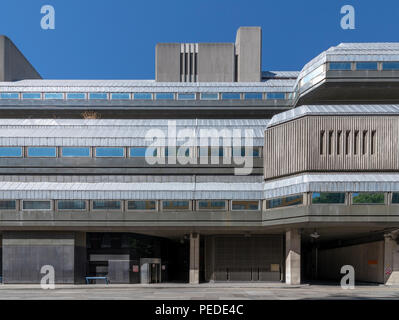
[364, 142]
[339, 134]
[347, 141]
[321, 142]
[330, 142]
[373, 142]
[355, 142]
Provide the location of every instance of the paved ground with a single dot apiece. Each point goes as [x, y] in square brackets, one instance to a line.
[217, 291]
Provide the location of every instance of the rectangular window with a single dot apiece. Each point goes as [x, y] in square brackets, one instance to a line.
[231, 96]
[11, 95]
[53, 96]
[186, 96]
[253, 96]
[11, 152]
[31, 95]
[366, 66]
[110, 152]
[395, 197]
[368, 198]
[8, 205]
[71, 205]
[107, 205]
[209, 96]
[322, 142]
[212, 205]
[390, 66]
[36, 205]
[176, 205]
[75, 152]
[98, 96]
[164, 96]
[144, 205]
[143, 96]
[42, 152]
[275, 95]
[120, 96]
[217, 151]
[327, 197]
[245, 205]
[284, 201]
[204, 151]
[340, 66]
[174, 151]
[137, 152]
[373, 141]
[76, 96]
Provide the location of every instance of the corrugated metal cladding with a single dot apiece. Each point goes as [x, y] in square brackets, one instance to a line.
[271, 85]
[43, 132]
[130, 191]
[365, 182]
[314, 110]
[388, 51]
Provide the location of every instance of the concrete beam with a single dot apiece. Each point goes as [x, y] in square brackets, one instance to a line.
[293, 257]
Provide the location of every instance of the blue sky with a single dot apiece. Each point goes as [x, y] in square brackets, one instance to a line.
[104, 39]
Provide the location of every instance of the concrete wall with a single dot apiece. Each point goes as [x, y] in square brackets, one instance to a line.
[249, 54]
[24, 254]
[13, 65]
[167, 62]
[367, 260]
[298, 146]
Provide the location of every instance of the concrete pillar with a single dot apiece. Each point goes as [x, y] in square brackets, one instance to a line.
[293, 257]
[194, 258]
[391, 260]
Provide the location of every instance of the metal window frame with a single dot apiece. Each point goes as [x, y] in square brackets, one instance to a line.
[15, 157]
[44, 200]
[104, 210]
[141, 210]
[87, 205]
[49, 157]
[226, 207]
[284, 207]
[11, 210]
[120, 157]
[81, 157]
[246, 200]
[190, 205]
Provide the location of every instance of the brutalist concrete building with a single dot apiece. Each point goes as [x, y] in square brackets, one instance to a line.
[214, 171]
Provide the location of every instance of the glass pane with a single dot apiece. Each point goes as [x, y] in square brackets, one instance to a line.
[10, 151]
[143, 96]
[340, 66]
[245, 205]
[366, 66]
[71, 205]
[141, 205]
[204, 151]
[217, 152]
[253, 96]
[141, 151]
[120, 96]
[50, 152]
[324, 197]
[256, 152]
[110, 152]
[209, 96]
[212, 205]
[8, 204]
[52, 95]
[368, 198]
[284, 202]
[164, 96]
[390, 66]
[76, 96]
[36, 205]
[75, 152]
[106, 205]
[175, 205]
[275, 95]
[186, 96]
[231, 96]
[395, 197]
[34, 95]
[11, 95]
[98, 96]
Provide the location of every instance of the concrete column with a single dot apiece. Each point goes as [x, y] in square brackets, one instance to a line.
[391, 260]
[293, 257]
[194, 257]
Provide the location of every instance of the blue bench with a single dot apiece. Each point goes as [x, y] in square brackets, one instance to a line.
[97, 278]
